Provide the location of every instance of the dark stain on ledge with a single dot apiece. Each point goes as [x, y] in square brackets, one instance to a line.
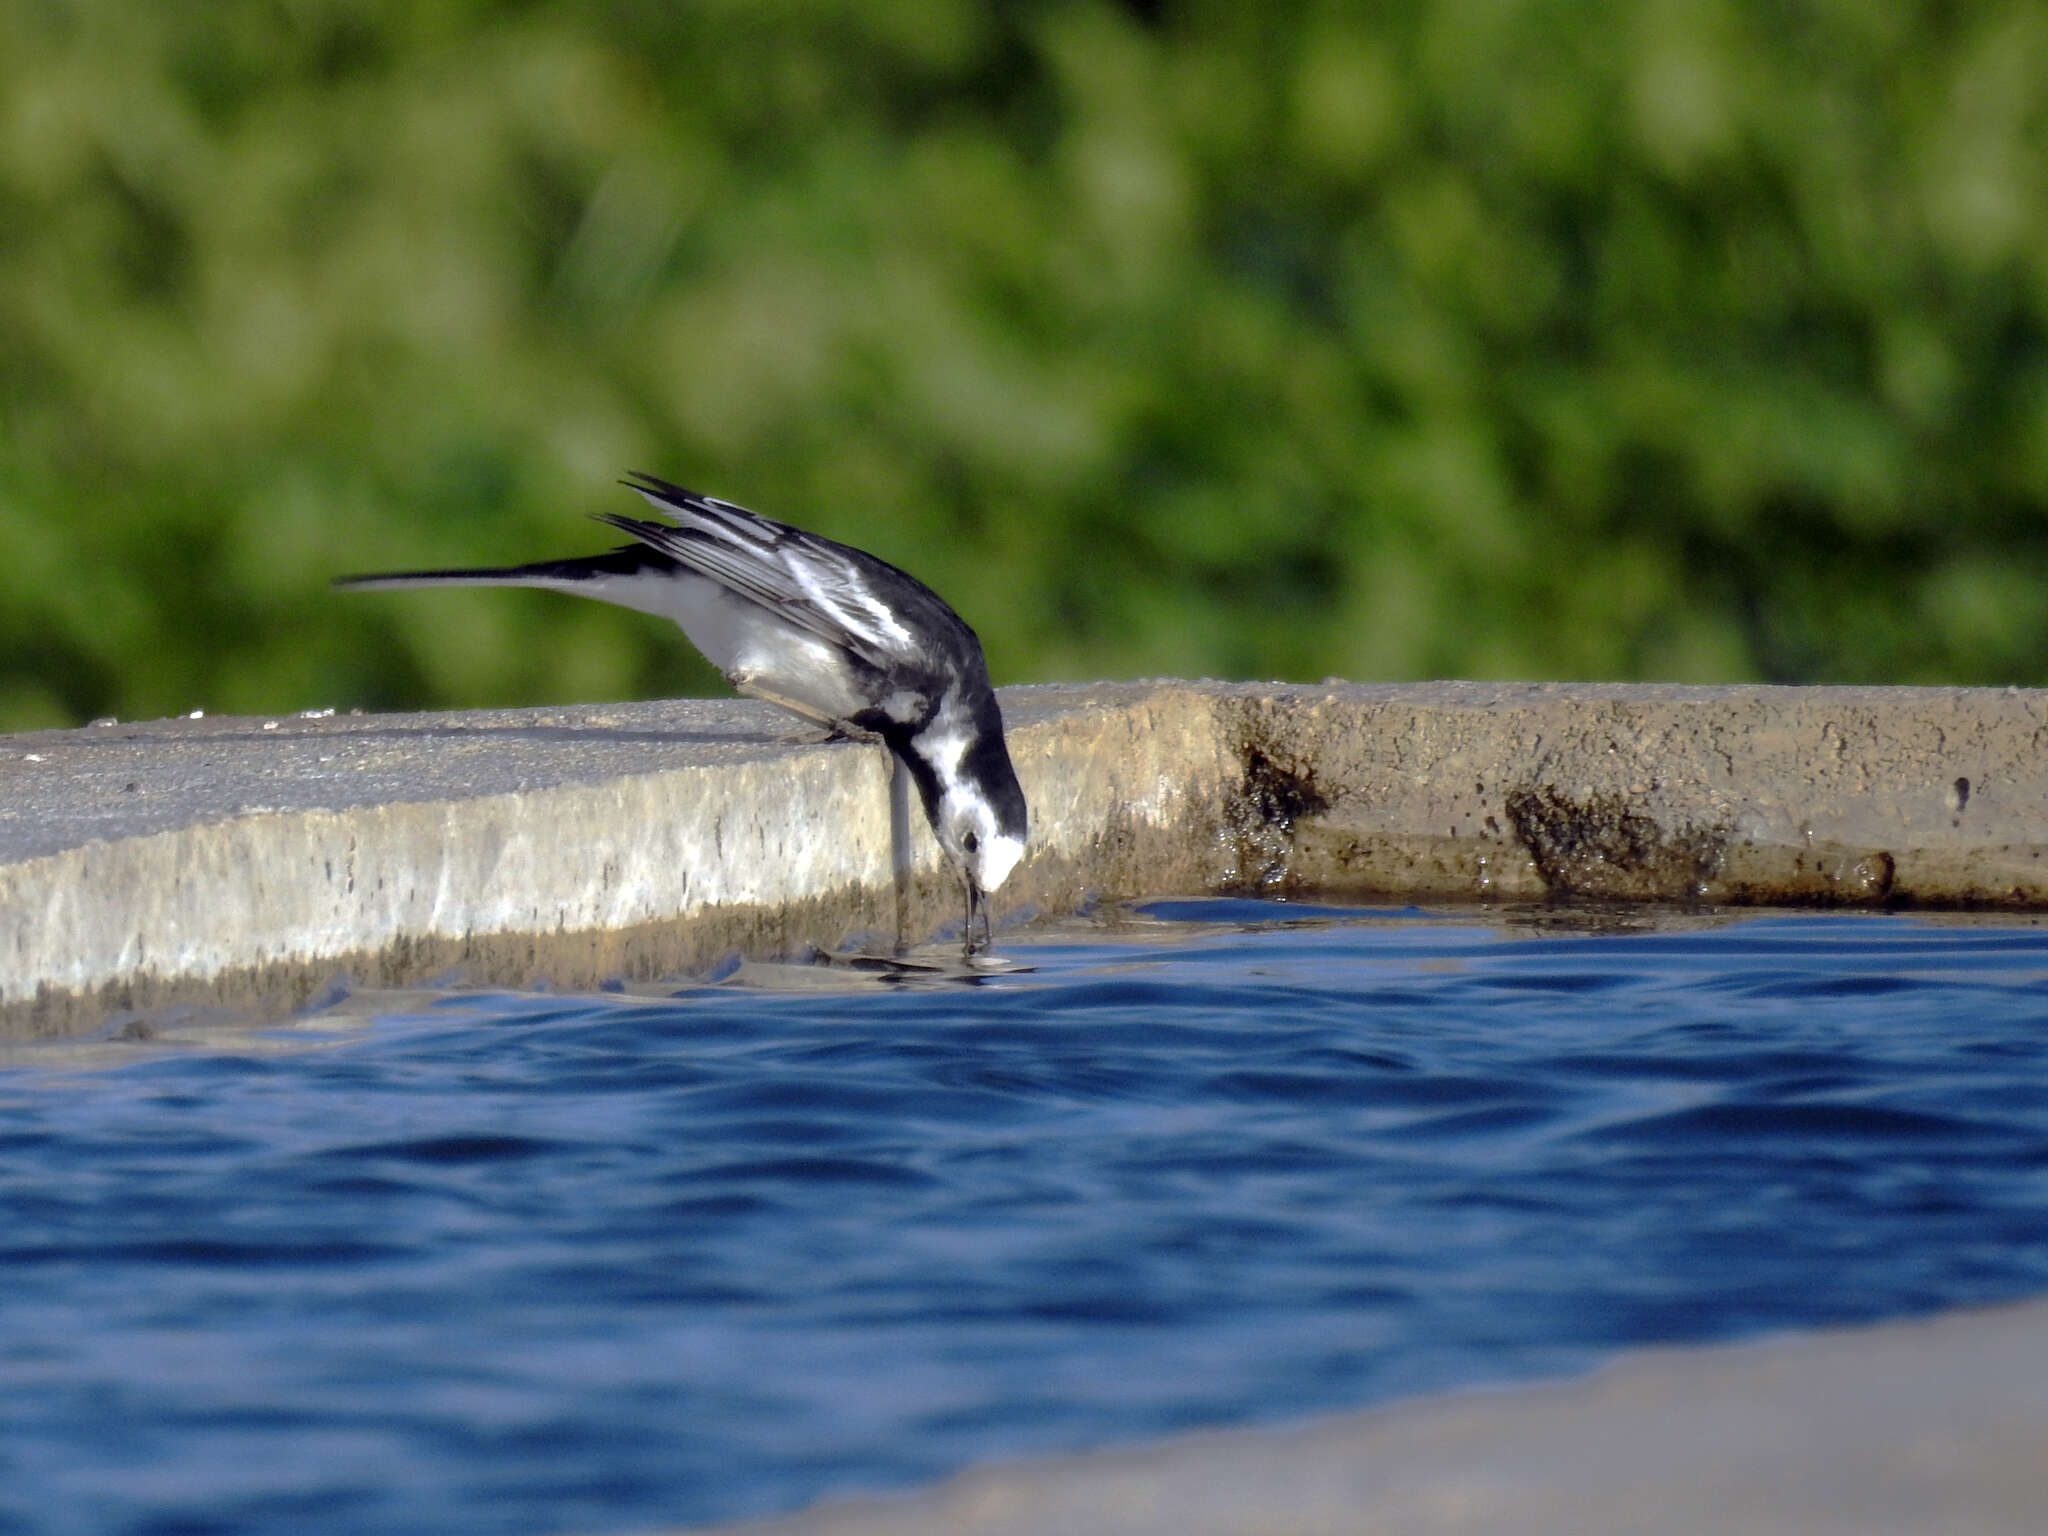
[1603, 846]
[1273, 796]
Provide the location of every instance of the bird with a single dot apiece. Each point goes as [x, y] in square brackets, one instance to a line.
[828, 632]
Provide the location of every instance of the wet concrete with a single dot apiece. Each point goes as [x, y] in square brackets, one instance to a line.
[1932, 1429]
[247, 862]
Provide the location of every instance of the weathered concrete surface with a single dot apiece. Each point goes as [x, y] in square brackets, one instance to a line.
[1932, 1429]
[246, 862]
[1901, 796]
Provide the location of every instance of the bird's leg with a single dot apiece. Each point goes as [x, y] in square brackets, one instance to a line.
[828, 729]
[899, 846]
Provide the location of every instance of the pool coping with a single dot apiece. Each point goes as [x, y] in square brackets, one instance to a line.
[247, 863]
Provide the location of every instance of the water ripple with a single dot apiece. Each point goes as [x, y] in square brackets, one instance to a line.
[505, 1262]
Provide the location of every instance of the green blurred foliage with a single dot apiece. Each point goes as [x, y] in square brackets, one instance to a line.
[1685, 339]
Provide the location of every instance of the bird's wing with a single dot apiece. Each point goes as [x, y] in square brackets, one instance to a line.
[828, 589]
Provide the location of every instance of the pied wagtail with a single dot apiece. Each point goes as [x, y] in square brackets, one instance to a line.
[827, 632]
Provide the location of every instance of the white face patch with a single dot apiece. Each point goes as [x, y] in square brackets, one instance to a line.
[967, 831]
[999, 855]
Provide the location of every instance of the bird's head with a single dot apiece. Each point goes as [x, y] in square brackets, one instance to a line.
[970, 828]
[971, 795]
[972, 798]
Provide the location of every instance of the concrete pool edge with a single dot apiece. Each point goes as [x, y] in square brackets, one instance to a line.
[247, 862]
[1927, 1427]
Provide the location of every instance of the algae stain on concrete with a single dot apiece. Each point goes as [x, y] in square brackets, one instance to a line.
[1602, 845]
[1275, 794]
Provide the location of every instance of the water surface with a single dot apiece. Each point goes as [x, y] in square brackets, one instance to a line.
[525, 1263]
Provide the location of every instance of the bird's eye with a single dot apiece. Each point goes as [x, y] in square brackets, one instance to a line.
[971, 842]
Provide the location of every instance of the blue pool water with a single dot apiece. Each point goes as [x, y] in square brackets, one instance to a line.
[530, 1263]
